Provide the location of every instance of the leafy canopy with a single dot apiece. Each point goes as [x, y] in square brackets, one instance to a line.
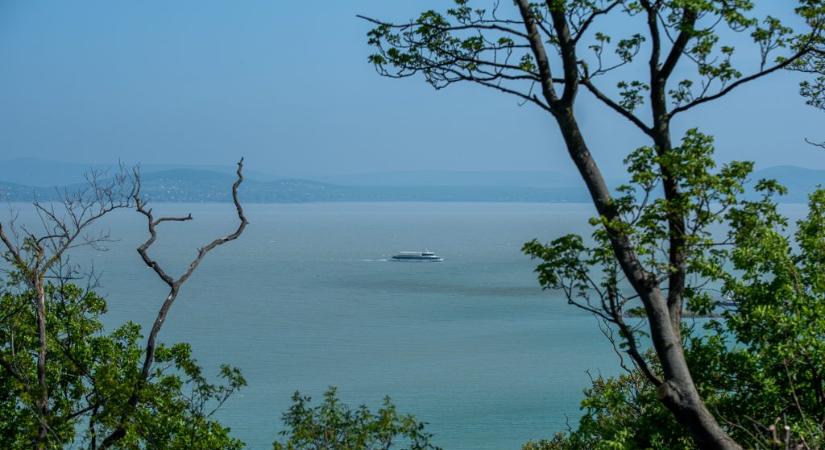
[334, 426]
[90, 376]
[758, 352]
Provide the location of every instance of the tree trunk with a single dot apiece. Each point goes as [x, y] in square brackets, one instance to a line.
[43, 401]
[677, 391]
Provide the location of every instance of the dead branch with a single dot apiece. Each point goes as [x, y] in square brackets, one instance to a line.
[174, 285]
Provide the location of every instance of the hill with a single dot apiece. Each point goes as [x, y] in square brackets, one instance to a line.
[800, 181]
[201, 185]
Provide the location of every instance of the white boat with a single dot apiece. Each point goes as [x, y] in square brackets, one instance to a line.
[426, 255]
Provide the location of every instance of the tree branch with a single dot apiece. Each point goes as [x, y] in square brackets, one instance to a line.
[174, 288]
[740, 82]
[568, 53]
[17, 259]
[616, 107]
[539, 52]
[599, 12]
[679, 44]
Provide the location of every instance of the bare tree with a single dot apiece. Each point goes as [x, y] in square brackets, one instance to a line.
[538, 52]
[36, 255]
[174, 285]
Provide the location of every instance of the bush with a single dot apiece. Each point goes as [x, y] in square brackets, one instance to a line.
[334, 426]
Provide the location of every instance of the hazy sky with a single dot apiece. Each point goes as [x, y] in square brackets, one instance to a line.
[286, 84]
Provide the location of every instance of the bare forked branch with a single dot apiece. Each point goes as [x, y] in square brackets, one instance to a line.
[152, 223]
[66, 221]
[174, 288]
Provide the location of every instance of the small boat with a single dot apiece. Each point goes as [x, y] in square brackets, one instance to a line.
[426, 255]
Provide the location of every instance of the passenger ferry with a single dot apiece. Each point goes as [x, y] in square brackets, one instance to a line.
[426, 255]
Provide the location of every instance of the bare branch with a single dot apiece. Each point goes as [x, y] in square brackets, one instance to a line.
[616, 107]
[815, 144]
[15, 252]
[527, 97]
[174, 288]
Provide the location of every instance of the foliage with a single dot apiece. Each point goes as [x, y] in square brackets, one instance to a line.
[774, 370]
[334, 426]
[759, 365]
[90, 379]
[589, 274]
[620, 413]
[486, 45]
[654, 243]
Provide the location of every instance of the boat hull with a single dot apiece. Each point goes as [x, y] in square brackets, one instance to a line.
[417, 259]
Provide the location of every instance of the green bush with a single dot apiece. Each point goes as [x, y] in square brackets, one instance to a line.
[335, 426]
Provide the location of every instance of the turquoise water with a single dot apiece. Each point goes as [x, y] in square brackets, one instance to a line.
[306, 299]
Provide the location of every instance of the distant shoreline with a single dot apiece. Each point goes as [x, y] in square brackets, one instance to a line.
[205, 186]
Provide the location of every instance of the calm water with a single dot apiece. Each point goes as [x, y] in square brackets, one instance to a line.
[306, 299]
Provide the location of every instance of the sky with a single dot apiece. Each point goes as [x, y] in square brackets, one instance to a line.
[287, 85]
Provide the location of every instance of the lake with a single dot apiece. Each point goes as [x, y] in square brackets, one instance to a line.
[306, 299]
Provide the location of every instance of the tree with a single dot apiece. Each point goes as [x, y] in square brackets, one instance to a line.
[40, 255]
[812, 90]
[543, 53]
[67, 382]
[121, 428]
[334, 426]
[761, 352]
[90, 373]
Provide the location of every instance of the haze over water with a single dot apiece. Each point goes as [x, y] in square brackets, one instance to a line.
[306, 299]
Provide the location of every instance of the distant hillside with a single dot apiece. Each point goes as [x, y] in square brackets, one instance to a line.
[799, 181]
[187, 185]
[543, 179]
[197, 185]
[17, 192]
[45, 173]
[206, 186]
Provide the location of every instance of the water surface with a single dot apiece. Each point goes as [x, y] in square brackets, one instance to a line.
[306, 299]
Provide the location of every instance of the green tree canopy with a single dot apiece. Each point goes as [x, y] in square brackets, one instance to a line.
[669, 57]
[90, 376]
